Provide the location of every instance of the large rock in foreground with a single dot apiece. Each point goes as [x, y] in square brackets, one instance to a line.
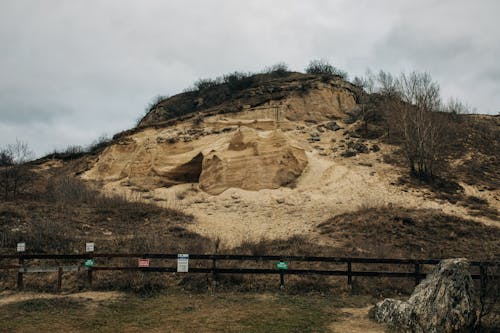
[252, 162]
[444, 302]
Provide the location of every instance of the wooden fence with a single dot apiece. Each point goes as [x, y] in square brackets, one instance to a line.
[215, 264]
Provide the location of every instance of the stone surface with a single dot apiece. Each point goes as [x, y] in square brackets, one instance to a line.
[252, 162]
[444, 302]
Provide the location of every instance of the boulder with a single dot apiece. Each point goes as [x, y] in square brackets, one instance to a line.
[444, 302]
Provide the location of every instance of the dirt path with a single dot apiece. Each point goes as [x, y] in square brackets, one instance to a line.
[356, 321]
[8, 297]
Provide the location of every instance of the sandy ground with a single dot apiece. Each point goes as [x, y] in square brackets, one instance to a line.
[330, 185]
[8, 297]
[356, 321]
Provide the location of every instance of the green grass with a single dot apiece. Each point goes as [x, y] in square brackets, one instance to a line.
[178, 312]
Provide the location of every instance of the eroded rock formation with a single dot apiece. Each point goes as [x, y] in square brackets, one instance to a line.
[243, 159]
[252, 162]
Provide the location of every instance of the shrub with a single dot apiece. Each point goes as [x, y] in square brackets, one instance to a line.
[202, 84]
[322, 66]
[97, 145]
[155, 101]
[280, 69]
[238, 81]
[15, 174]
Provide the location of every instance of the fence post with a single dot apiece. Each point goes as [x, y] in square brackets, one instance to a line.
[89, 277]
[417, 273]
[214, 273]
[349, 275]
[20, 273]
[59, 278]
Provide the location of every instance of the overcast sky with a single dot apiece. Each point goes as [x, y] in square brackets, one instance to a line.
[74, 70]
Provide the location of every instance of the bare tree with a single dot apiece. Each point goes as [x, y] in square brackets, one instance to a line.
[422, 126]
[387, 84]
[455, 106]
[15, 175]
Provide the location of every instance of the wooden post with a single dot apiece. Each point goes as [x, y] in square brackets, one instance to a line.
[89, 277]
[349, 275]
[59, 278]
[214, 276]
[20, 274]
[417, 274]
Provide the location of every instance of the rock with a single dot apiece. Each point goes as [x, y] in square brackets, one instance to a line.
[375, 148]
[332, 126]
[252, 162]
[348, 153]
[314, 137]
[444, 302]
[357, 146]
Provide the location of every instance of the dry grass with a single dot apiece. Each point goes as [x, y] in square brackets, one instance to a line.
[394, 232]
[181, 312]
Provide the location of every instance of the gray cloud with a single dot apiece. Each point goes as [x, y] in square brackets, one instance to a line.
[72, 70]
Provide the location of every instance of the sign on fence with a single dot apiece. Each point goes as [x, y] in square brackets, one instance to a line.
[182, 263]
[89, 263]
[21, 247]
[89, 247]
[143, 263]
[282, 265]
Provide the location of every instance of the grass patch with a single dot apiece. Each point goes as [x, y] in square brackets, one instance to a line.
[180, 312]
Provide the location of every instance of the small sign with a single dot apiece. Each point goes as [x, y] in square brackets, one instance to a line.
[182, 263]
[282, 265]
[143, 263]
[89, 263]
[89, 247]
[21, 247]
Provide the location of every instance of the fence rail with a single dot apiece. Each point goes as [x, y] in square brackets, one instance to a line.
[212, 268]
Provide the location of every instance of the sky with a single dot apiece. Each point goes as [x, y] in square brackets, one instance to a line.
[71, 71]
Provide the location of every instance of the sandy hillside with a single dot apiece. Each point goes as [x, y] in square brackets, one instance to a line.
[327, 185]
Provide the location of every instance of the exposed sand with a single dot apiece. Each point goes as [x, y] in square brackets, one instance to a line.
[356, 321]
[8, 297]
[330, 185]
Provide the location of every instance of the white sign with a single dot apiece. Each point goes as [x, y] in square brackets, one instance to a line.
[89, 247]
[182, 263]
[21, 247]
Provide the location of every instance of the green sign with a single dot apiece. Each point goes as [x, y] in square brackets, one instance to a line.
[89, 263]
[282, 265]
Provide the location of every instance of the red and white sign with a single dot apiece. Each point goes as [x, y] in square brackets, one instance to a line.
[143, 263]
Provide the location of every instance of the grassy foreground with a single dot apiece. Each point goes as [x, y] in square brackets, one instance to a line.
[179, 312]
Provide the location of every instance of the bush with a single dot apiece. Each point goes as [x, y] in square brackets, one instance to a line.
[70, 153]
[321, 66]
[202, 84]
[280, 69]
[15, 175]
[238, 81]
[5, 158]
[102, 142]
[155, 101]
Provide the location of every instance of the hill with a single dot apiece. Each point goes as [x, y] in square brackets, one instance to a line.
[271, 157]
